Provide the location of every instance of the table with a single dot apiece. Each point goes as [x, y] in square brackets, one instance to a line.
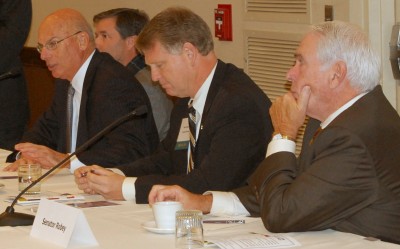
[120, 226]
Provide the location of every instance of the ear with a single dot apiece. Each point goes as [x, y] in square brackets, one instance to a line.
[190, 52]
[83, 40]
[338, 74]
[131, 41]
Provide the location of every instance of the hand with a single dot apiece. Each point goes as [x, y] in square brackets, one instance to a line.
[98, 180]
[43, 155]
[288, 114]
[14, 166]
[177, 193]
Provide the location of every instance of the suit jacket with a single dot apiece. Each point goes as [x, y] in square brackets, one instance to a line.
[235, 128]
[109, 92]
[161, 103]
[15, 21]
[347, 179]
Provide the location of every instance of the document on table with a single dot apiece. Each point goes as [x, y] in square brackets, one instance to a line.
[255, 241]
[34, 200]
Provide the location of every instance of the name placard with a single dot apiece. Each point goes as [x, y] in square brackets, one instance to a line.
[62, 225]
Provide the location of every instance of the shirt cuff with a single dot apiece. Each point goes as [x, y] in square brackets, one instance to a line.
[128, 188]
[280, 144]
[226, 204]
[74, 163]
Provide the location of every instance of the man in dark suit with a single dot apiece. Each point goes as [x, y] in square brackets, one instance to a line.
[116, 31]
[15, 23]
[347, 177]
[104, 91]
[231, 123]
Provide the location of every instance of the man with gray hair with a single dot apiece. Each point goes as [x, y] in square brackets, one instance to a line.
[347, 176]
[116, 31]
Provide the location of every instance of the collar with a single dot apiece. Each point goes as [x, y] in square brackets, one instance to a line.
[199, 99]
[340, 110]
[77, 81]
[137, 63]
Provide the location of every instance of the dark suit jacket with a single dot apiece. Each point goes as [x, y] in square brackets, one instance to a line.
[15, 21]
[235, 128]
[348, 179]
[109, 92]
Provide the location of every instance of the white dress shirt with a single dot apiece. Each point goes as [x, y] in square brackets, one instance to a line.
[77, 84]
[199, 100]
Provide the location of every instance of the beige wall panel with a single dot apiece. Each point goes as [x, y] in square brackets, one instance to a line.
[229, 51]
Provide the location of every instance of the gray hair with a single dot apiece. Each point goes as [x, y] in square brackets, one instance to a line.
[346, 42]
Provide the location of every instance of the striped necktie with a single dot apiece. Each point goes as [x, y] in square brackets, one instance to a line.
[192, 135]
[68, 132]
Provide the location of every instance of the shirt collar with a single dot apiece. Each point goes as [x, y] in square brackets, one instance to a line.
[77, 81]
[340, 110]
[199, 99]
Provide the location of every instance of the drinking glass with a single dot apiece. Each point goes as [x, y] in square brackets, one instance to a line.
[189, 229]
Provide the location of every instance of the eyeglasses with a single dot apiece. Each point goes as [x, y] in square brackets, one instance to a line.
[51, 45]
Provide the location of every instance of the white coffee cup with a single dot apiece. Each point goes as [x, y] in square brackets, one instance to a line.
[164, 213]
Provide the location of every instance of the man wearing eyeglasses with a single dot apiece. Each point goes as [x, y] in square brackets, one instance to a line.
[101, 90]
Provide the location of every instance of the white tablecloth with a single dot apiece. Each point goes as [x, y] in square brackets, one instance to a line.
[120, 226]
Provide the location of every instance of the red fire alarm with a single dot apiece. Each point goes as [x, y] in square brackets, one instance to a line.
[223, 22]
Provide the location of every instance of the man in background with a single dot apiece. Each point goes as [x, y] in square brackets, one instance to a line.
[347, 176]
[92, 90]
[116, 31]
[15, 23]
[219, 125]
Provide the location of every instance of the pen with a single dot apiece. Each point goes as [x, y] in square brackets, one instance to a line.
[85, 174]
[8, 177]
[224, 221]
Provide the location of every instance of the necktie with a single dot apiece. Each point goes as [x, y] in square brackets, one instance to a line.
[68, 132]
[192, 135]
[317, 132]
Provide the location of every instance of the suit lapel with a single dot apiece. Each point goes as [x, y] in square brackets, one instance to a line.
[212, 92]
[87, 83]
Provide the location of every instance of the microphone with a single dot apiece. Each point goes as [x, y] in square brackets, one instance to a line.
[11, 218]
[14, 72]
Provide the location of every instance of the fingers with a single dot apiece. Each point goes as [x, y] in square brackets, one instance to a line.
[304, 97]
[167, 193]
[12, 167]
[98, 170]
[154, 192]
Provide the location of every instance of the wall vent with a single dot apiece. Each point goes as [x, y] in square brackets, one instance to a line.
[297, 11]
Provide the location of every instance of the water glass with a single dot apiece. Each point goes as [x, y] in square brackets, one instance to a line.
[189, 229]
[27, 173]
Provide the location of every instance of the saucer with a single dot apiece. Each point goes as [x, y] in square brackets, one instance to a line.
[151, 227]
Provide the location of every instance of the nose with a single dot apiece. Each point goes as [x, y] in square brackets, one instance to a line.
[44, 53]
[291, 74]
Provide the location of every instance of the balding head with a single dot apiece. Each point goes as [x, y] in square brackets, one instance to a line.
[66, 41]
[68, 20]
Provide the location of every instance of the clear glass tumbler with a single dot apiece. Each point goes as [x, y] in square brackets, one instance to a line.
[27, 173]
[189, 229]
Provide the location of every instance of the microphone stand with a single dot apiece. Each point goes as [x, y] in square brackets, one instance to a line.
[11, 218]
